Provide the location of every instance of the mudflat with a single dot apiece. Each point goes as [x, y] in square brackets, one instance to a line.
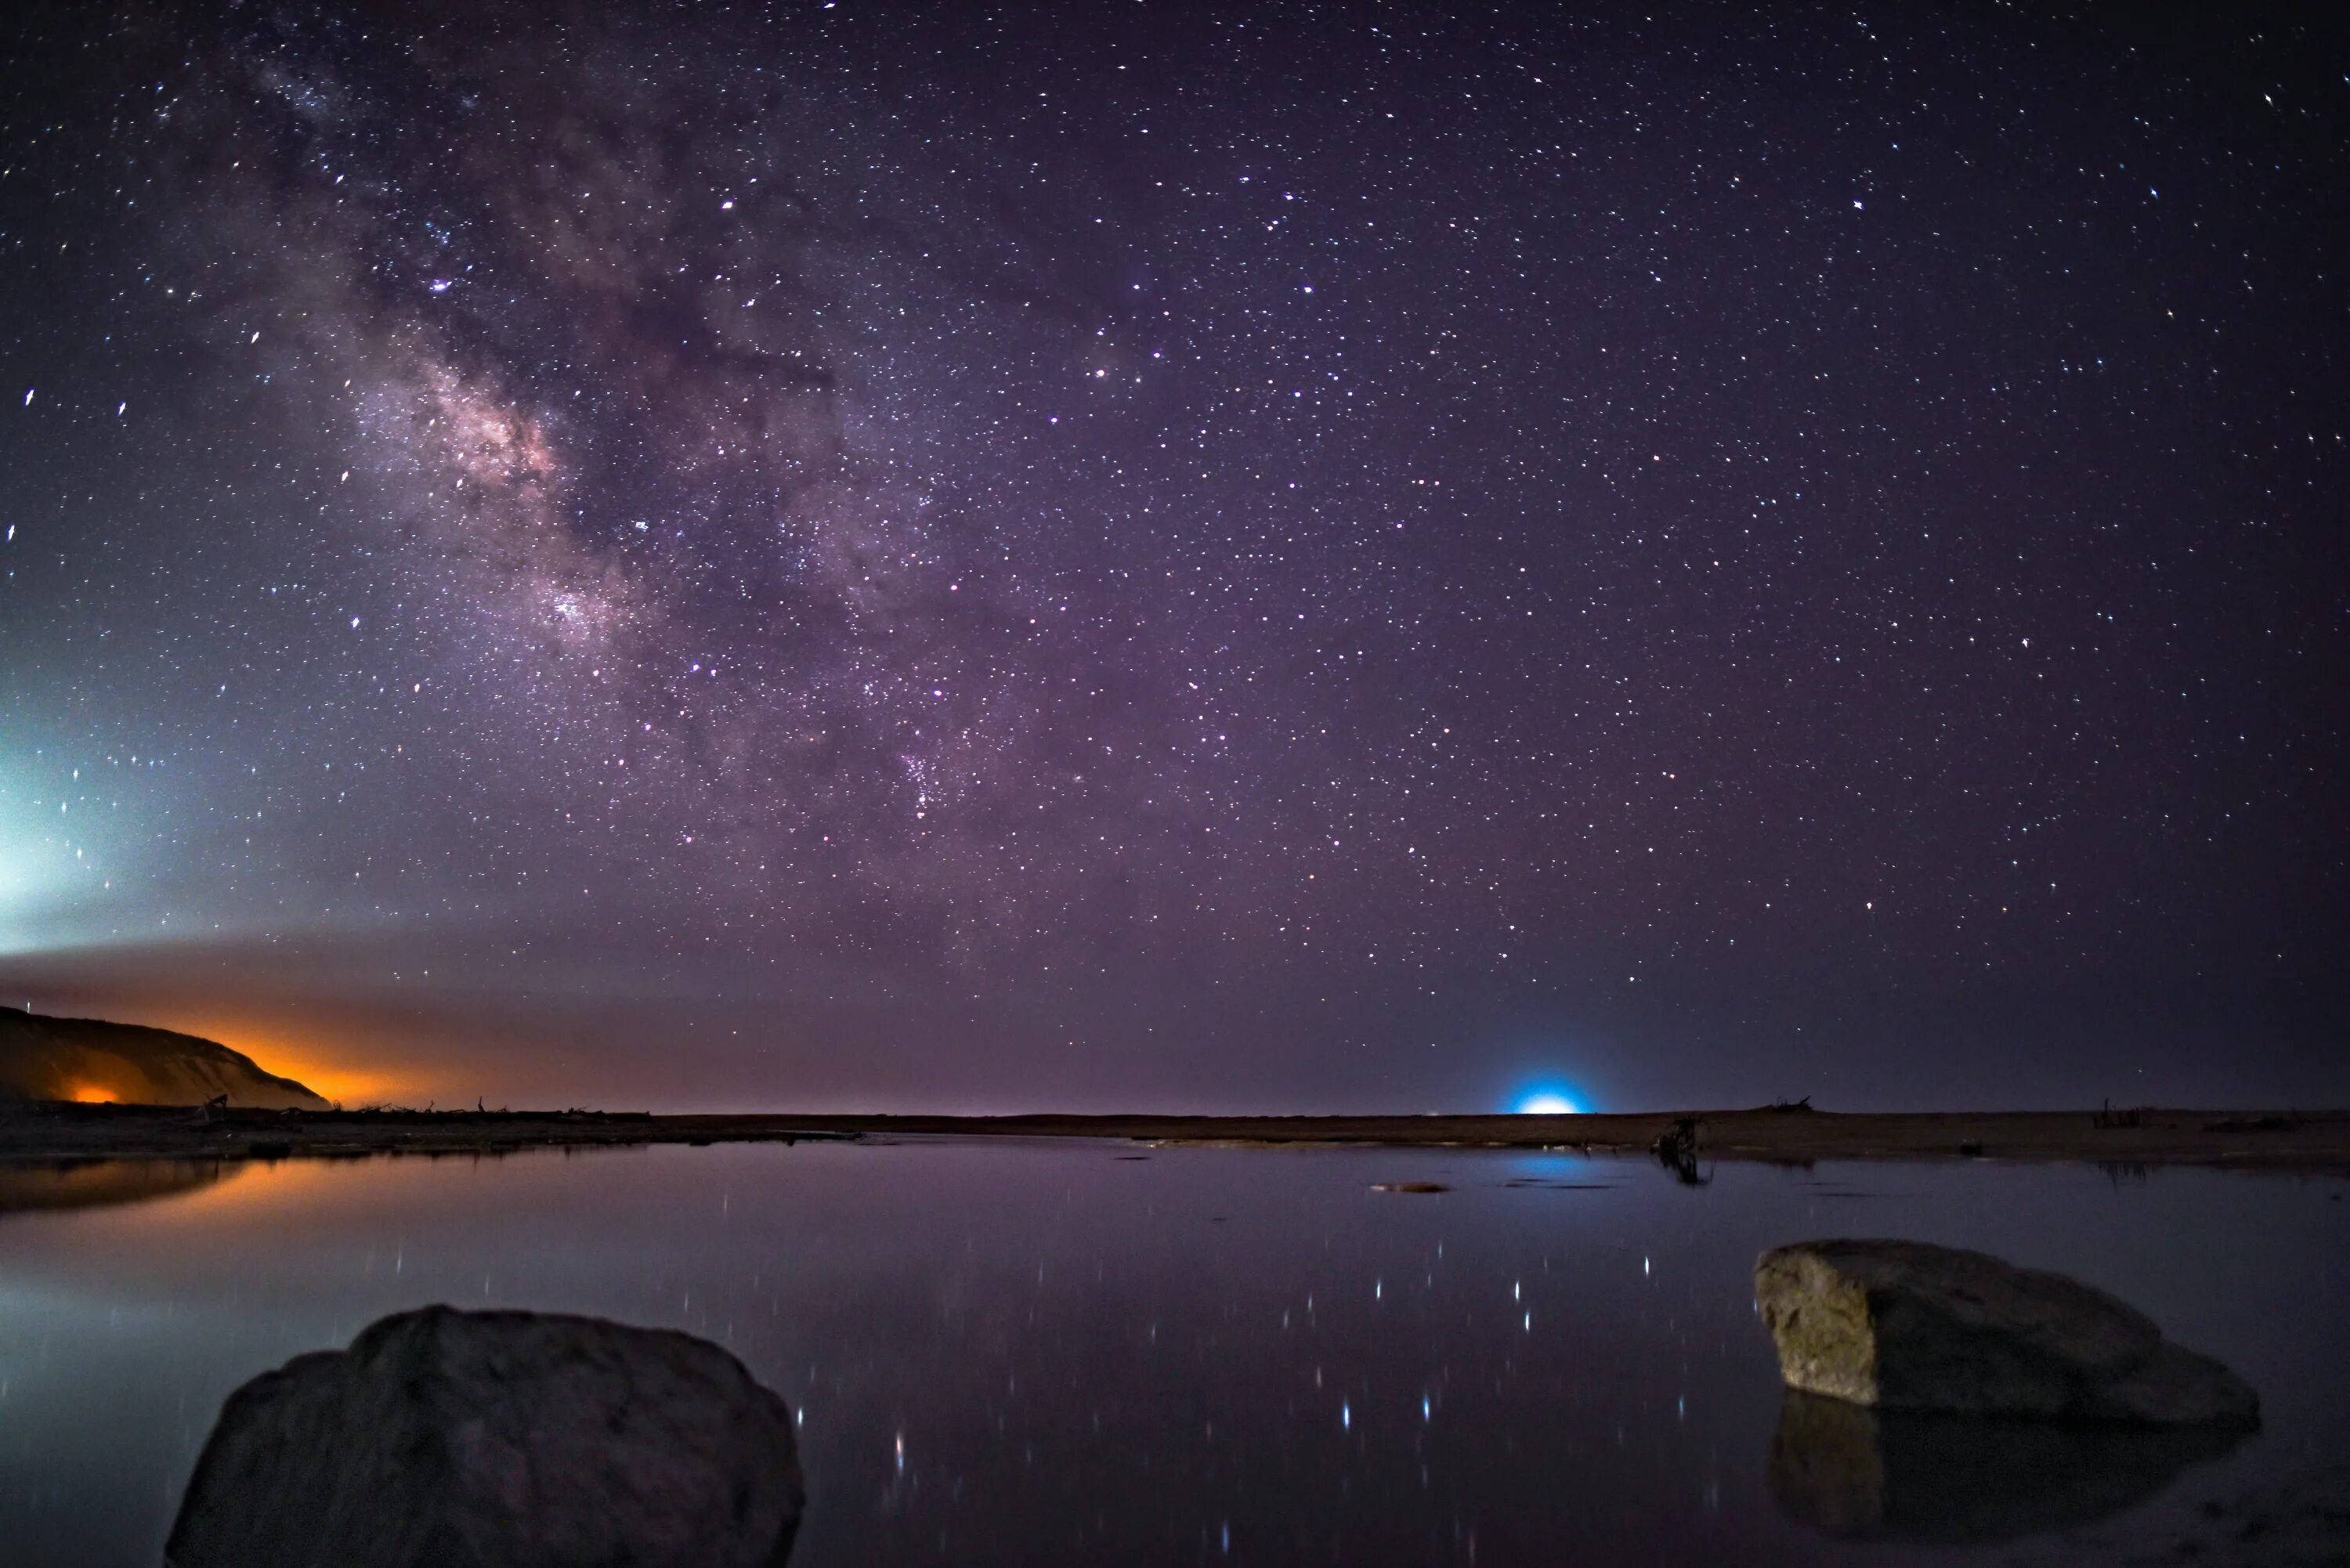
[2308, 1141]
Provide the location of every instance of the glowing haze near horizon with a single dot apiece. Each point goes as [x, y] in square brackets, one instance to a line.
[1269, 556]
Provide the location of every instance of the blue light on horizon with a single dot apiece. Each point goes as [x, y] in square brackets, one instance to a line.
[1548, 1100]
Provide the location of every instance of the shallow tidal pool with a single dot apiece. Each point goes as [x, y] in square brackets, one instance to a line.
[1046, 1352]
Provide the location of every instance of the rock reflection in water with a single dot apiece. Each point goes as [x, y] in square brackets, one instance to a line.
[1859, 1473]
[1091, 1360]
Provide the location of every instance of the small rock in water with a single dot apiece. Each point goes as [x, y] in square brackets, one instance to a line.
[497, 1439]
[1909, 1326]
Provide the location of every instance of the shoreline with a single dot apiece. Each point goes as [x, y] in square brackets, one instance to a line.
[2314, 1142]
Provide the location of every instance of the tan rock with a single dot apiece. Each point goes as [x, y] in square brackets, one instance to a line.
[1908, 1326]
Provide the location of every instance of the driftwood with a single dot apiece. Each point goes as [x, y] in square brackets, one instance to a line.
[1676, 1149]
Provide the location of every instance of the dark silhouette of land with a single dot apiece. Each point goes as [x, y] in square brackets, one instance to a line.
[2304, 1141]
[45, 1058]
[184, 1098]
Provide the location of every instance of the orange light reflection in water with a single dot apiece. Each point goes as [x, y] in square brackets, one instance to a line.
[278, 1186]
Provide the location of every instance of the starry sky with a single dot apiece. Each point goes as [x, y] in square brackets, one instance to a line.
[1188, 556]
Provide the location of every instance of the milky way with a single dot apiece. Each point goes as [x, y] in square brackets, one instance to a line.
[1268, 556]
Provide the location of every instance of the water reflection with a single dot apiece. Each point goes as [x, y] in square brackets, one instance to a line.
[1883, 1474]
[1676, 1149]
[103, 1183]
[1060, 1354]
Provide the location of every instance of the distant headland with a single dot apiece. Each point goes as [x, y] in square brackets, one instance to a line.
[90, 1060]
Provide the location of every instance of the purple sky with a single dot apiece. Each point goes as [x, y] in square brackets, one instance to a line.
[1194, 557]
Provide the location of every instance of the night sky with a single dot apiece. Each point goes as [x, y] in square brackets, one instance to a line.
[1182, 556]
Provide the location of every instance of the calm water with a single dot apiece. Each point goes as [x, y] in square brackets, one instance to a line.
[1066, 1353]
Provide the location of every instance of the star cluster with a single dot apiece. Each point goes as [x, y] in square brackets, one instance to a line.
[1228, 555]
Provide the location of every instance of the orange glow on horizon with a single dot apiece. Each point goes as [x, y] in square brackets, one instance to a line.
[312, 1062]
[93, 1094]
[347, 1087]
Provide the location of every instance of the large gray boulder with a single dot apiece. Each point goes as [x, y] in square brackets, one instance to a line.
[497, 1439]
[1904, 1325]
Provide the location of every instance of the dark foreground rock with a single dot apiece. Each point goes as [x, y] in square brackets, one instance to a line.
[1901, 1475]
[499, 1440]
[1908, 1326]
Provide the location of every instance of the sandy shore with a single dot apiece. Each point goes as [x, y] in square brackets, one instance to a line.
[2305, 1141]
